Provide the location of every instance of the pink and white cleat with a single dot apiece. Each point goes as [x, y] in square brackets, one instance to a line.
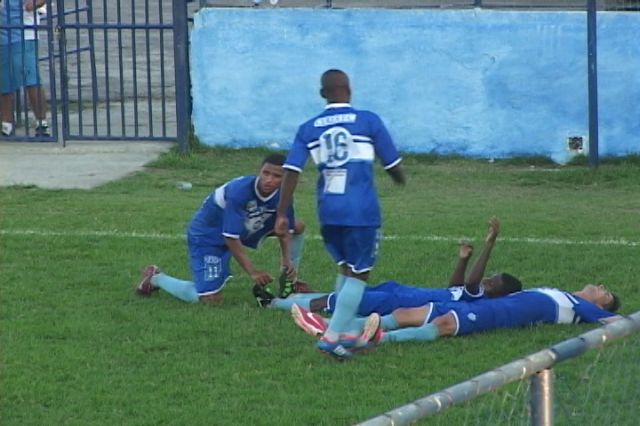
[145, 288]
[312, 323]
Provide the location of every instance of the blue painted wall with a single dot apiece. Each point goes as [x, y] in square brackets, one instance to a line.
[472, 82]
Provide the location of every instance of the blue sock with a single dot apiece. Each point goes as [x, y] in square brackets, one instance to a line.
[183, 290]
[301, 299]
[297, 243]
[389, 322]
[425, 333]
[339, 282]
[347, 304]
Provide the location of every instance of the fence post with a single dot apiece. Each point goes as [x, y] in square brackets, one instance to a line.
[181, 63]
[542, 398]
[592, 65]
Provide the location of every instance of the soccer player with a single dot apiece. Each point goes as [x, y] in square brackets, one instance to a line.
[238, 214]
[594, 303]
[343, 142]
[389, 296]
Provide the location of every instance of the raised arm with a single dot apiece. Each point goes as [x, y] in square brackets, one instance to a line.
[464, 254]
[477, 272]
[287, 188]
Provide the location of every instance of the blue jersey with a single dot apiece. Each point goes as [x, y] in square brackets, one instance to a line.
[236, 210]
[528, 307]
[390, 295]
[11, 13]
[343, 143]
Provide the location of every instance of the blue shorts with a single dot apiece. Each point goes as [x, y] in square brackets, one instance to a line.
[389, 296]
[209, 268]
[471, 317]
[19, 65]
[355, 246]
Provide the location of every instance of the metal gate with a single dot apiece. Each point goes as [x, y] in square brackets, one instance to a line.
[113, 70]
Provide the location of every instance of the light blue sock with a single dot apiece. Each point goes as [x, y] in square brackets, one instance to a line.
[183, 290]
[389, 322]
[301, 299]
[347, 303]
[297, 243]
[425, 333]
[339, 282]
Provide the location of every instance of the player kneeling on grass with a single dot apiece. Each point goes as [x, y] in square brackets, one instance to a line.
[238, 214]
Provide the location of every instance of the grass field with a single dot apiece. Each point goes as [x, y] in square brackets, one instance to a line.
[79, 348]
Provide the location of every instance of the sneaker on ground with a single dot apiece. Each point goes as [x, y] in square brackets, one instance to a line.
[145, 288]
[42, 130]
[312, 323]
[371, 334]
[333, 349]
[264, 295]
[285, 285]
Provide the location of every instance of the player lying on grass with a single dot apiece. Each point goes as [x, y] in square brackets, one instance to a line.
[389, 296]
[594, 303]
[238, 214]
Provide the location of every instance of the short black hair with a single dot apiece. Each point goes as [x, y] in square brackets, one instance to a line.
[614, 305]
[510, 283]
[276, 159]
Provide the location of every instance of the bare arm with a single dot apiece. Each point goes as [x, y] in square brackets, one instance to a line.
[287, 188]
[240, 254]
[397, 174]
[473, 281]
[464, 254]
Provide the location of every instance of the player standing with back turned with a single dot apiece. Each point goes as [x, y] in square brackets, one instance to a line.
[343, 143]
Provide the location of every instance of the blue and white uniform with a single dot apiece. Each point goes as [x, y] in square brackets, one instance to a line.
[343, 142]
[391, 295]
[234, 210]
[524, 308]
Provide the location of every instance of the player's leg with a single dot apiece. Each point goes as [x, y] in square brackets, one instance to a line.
[33, 87]
[211, 271]
[8, 87]
[358, 248]
[305, 300]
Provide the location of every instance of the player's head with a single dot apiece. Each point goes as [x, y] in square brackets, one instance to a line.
[500, 285]
[334, 86]
[601, 296]
[270, 174]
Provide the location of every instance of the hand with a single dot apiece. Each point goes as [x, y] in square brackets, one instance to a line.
[281, 227]
[261, 278]
[494, 230]
[465, 250]
[290, 268]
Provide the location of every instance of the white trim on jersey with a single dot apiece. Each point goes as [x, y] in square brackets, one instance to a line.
[362, 151]
[218, 290]
[218, 197]
[294, 168]
[233, 236]
[393, 164]
[564, 311]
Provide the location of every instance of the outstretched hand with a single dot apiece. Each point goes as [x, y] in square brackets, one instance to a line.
[494, 230]
[465, 250]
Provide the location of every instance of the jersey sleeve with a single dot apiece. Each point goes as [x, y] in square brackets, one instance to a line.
[589, 312]
[298, 154]
[383, 144]
[234, 215]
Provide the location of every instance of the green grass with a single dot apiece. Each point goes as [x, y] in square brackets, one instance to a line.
[79, 348]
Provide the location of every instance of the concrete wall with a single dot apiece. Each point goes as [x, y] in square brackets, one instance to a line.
[472, 82]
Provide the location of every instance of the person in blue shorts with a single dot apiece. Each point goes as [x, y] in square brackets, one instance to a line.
[390, 295]
[238, 214]
[594, 303]
[343, 142]
[19, 63]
